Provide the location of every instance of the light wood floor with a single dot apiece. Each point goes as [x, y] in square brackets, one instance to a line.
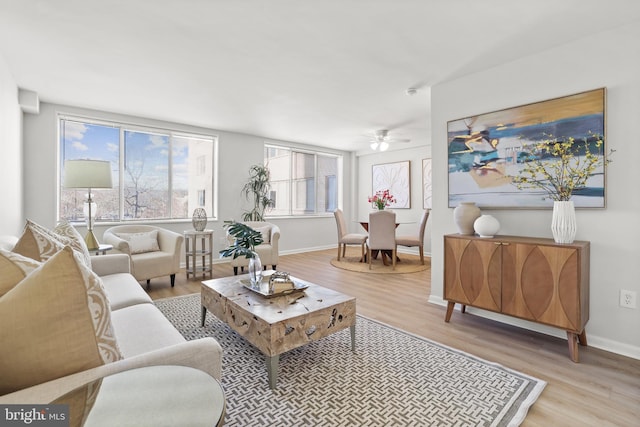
[602, 390]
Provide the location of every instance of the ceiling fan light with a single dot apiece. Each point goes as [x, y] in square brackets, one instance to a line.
[384, 145]
[374, 145]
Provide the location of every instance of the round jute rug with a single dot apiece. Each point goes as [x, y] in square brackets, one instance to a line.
[407, 264]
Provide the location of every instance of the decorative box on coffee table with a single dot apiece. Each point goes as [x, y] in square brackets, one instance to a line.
[530, 278]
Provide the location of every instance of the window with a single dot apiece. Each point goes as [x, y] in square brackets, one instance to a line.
[157, 173]
[302, 182]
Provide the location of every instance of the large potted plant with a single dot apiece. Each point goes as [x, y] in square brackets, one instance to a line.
[245, 241]
[257, 189]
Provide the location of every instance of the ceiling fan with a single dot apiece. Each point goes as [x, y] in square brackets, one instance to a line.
[381, 140]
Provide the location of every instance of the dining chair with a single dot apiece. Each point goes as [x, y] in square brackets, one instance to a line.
[417, 239]
[345, 238]
[382, 234]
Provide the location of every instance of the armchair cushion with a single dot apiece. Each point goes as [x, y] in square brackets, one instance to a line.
[266, 234]
[140, 243]
[55, 322]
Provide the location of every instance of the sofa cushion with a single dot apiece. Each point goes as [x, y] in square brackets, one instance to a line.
[13, 268]
[123, 290]
[142, 328]
[55, 322]
[141, 242]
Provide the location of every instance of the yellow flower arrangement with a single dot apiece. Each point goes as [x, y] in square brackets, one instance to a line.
[560, 167]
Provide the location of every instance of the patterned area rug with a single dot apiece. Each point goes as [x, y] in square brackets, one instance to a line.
[393, 379]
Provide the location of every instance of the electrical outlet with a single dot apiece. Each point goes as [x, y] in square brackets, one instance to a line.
[627, 299]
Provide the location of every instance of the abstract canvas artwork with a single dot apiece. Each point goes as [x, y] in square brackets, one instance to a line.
[395, 177]
[486, 150]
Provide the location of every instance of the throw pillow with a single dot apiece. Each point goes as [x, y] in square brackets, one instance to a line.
[74, 238]
[38, 243]
[13, 268]
[141, 242]
[266, 233]
[55, 322]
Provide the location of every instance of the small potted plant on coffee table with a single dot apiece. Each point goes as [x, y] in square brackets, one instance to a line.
[245, 241]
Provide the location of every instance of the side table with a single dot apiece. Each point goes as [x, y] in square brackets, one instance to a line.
[103, 248]
[199, 247]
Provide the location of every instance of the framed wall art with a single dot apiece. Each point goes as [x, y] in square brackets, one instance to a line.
[486, 152]
[426, 184]
[395, 177]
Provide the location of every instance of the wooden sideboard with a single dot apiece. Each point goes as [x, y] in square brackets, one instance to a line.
[530, 278]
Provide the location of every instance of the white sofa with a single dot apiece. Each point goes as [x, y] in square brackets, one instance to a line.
[144, 336]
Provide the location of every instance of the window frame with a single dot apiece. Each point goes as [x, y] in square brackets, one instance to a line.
[123, 126]
[339, 177]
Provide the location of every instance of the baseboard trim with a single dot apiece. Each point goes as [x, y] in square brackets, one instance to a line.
[596, 341]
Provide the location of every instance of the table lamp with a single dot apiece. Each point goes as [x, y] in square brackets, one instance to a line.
[88, 174]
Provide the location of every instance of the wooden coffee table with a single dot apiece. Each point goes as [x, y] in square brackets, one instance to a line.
[278, 324]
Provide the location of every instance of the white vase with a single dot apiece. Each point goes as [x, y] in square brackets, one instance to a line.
[486, 226]
[563, 222]
[255, 269]
[464, 216]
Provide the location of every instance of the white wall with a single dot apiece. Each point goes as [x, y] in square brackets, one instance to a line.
[237, 152]
[409, 216]
[612, 60]
[11, 221]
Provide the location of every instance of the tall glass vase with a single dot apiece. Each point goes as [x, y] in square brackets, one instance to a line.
[563, 222]
[255, 269]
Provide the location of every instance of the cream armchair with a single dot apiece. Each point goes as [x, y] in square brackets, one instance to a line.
[267, 251]
[153, 251]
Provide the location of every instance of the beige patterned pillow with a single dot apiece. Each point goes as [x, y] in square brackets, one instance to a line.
[37, 242]
[76, 241]
[55, 322]
[13, 268]
[40, 243]
[141, 242]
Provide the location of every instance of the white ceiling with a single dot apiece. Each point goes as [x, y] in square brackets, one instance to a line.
[324, 72]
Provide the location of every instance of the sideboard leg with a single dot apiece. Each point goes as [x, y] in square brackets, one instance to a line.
[450, 306]
[572, 340]
[463, 309]
[582, 338]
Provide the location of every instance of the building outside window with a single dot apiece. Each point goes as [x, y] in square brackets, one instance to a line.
[158, 174]
[302, 182]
